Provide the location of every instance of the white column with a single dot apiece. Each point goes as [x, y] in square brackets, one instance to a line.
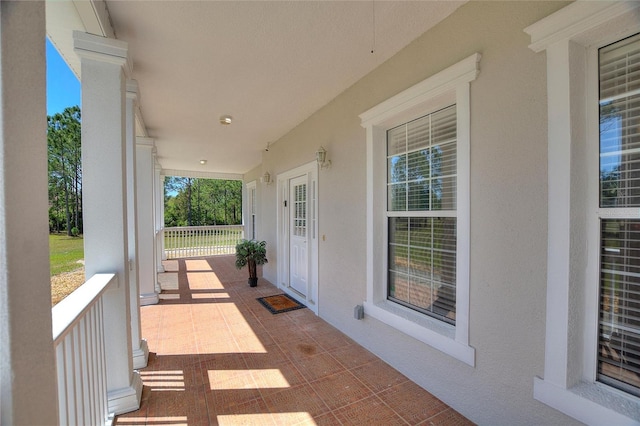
[106, 247]
[140, 348]
[146, 228]
[158, 181]
[27, 360]
[163, 253]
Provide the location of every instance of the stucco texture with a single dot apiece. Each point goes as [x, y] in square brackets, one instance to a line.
[508, 211]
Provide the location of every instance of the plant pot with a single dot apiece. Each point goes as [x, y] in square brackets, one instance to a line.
[253, 282]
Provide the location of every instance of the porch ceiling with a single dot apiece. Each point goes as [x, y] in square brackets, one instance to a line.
[268, 64]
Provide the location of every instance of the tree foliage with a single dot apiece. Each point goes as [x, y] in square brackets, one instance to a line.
[65, 171]
[199, 202]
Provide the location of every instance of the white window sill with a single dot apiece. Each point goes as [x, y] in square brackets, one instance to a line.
[437, 334]
[590, 403]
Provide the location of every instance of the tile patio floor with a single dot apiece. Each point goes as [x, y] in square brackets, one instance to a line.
[218, 357]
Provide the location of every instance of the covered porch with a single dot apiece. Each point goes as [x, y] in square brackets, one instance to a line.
[217, 356]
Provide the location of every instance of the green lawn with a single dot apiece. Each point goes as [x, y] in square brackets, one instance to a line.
[64, 253]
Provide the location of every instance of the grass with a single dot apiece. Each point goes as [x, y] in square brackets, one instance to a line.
[67, 270]
[64, 253]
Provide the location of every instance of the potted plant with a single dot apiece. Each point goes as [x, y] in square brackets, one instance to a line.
[251, 253]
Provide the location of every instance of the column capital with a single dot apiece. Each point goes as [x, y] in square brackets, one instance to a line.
[133, 92]
[145, 142]
[102, 49]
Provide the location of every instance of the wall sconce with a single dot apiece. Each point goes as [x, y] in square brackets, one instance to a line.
[266, 178]
[321, 158]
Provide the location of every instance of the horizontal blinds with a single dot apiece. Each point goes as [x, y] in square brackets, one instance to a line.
[619, 299]
[422, 264]
[620, 124]
[421, 163]
[619, 330]
[421, 177]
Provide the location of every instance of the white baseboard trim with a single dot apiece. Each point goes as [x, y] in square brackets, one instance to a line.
[141, 355]
[127, 399]
[149, 299]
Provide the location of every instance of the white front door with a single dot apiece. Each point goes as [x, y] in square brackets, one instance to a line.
[298, 234]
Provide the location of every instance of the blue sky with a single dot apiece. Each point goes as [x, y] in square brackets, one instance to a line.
[63, 88]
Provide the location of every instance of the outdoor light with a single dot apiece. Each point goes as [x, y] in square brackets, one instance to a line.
[203, 162]
[321, 158]
[266, 178]
[225, 120]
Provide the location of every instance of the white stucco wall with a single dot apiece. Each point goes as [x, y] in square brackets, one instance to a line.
[508, 211]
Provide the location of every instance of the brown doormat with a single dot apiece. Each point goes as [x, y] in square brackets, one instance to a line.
[280, 303]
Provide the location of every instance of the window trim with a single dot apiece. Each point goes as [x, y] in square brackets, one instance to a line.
[252, 209]
[570, 38]
[450, 86]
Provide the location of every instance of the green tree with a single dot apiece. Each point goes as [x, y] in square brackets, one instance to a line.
[198, 202]
[65, 170]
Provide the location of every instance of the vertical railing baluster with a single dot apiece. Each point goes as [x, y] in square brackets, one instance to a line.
[63, 412]
[102, 369]
[82, 365]
[192, 241]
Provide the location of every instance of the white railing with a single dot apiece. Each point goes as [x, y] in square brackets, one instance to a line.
[78, 336]
[192, 241]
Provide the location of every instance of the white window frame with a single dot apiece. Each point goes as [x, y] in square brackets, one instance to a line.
[252, 210]
[448, 87]
[571, 38]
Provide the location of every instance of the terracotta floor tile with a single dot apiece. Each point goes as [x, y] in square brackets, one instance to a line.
[378, 375]
[412, 403]
[448, 417]
[352, 356]
[218, 357]
[370, 411]
[234, 401]
[332, 339]
[340, 390]
[300, 349]
[279, 376]
[293, 400]
[318, 366]
[271, 357]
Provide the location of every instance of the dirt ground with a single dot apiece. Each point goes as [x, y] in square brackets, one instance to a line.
[63, 284]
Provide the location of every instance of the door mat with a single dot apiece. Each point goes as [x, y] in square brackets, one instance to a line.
[280, 303]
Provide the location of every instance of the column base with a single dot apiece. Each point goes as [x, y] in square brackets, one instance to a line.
[127, 399]
[141, 355]
[160, 268]
[149, 299]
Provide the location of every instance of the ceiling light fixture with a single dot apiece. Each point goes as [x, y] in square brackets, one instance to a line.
[203, 162]
[225, 120]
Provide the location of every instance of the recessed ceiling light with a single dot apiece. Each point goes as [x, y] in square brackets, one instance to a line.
[225, 120]
[203, 162]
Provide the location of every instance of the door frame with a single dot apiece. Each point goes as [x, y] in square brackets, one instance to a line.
[310, 170]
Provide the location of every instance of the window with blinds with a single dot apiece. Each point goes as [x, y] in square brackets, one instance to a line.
[619, 299]
[421, 214]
